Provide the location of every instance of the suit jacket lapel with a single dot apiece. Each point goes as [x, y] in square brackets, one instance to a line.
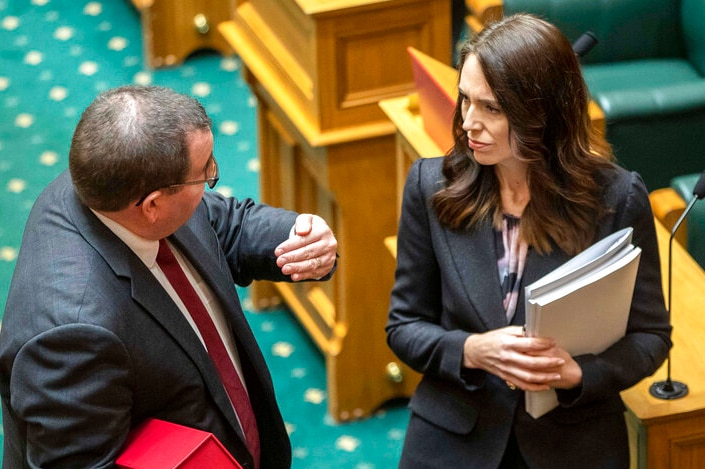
[476, 264]
[475, 261]
[215, 272]
[147, 291]
[156, 301]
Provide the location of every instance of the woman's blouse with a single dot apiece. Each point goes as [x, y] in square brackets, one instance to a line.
[511, 252]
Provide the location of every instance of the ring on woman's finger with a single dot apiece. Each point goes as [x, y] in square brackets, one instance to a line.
[511, 385]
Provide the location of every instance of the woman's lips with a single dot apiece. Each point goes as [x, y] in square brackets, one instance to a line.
[476, 145]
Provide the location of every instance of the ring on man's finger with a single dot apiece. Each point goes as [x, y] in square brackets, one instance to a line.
[511, 385]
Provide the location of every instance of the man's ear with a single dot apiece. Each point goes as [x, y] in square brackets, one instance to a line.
[151, 205]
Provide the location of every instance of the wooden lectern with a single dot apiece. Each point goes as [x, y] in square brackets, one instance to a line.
[318, 69]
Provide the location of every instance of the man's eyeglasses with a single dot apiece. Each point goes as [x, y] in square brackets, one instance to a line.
[211, 181]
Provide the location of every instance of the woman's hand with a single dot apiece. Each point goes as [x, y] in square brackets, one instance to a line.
[571, 373]
[530, 363]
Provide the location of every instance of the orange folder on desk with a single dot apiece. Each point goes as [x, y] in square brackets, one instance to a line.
[436, 85]
[157, 444]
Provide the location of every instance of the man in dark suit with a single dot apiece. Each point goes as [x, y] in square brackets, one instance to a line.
[96, 338]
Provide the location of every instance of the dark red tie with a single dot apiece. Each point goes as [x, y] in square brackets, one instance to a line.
[216, 349]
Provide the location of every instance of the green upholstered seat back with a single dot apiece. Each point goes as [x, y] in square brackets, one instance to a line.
[693, 21]
[626, 29]
[684, 186]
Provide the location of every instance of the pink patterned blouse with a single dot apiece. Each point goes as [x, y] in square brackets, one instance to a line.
[511, 252]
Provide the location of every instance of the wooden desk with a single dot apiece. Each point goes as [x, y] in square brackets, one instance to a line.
[318, 69]
[671, 434]
[663, 434]
[174, 29]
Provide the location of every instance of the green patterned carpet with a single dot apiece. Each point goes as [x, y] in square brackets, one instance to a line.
[55, 56]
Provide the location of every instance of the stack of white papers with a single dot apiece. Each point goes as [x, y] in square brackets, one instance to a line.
[584, 304]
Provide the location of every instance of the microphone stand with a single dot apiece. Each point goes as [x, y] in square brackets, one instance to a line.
[670, 389]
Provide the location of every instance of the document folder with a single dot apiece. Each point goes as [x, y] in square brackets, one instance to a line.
[584, 304]
[157, 444]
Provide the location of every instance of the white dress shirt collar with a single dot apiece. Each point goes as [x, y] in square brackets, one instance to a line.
[145, 249]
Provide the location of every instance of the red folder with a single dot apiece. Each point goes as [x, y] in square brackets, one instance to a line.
[157, 444]
[436, 85]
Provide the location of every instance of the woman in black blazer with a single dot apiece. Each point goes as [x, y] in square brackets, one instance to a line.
[528, 184]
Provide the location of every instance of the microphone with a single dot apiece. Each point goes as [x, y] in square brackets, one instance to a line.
[584, 44]
[670, 389]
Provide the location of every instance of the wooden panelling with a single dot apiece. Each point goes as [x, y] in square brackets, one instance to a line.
[318, 69]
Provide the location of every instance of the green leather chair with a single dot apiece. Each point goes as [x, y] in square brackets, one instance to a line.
[683, 185]
[647, 73]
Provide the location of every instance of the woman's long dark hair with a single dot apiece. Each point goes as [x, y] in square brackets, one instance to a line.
[536, 78]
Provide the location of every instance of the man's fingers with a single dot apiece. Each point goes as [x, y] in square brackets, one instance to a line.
[304, 224]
